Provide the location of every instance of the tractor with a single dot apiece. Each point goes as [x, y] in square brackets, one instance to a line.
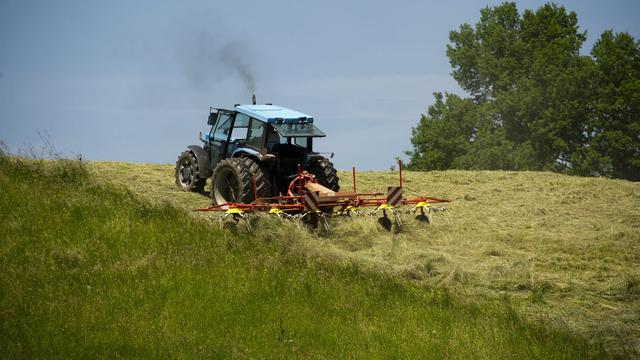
[254, 152]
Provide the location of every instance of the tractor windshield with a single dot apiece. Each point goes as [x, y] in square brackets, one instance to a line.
[298, 130]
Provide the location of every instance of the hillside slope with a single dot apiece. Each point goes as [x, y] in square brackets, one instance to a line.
[565, 249]
[91, 271]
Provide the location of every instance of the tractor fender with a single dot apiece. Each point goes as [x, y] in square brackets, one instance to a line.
[311, 157]
[252, 153]
[203, 160]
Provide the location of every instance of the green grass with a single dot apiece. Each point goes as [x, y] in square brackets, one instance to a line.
[564, 250]
[91, 270]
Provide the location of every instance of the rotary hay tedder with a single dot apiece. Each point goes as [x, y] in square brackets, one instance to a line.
[312, 204]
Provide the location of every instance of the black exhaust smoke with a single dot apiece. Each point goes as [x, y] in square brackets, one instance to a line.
[231, 55]
[206, 62]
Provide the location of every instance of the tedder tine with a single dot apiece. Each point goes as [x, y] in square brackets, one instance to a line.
[325, 222]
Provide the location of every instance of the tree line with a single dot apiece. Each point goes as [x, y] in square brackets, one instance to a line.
[533, 101]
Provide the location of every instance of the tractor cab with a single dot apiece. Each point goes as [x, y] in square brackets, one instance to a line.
[261, 130]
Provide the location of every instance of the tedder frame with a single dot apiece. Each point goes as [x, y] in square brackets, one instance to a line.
[308, 200]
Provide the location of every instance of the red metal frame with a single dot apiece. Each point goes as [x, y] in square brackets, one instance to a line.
[292, 203]
[353, 170]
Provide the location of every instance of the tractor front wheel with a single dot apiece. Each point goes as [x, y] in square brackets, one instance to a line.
[233, 179]
[188, 173]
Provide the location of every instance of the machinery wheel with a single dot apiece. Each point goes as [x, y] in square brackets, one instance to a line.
[188, 173]
[325, 173]
[232, 181]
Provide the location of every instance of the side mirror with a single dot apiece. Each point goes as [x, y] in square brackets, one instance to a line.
[213, 117]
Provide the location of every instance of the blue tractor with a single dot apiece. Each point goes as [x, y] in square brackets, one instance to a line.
[253, 151]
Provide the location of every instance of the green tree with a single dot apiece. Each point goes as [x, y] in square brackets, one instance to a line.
[616, 126]
[535, 103]
[443, 133]
[487, 59]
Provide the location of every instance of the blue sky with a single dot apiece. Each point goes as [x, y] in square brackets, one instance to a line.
[133, 80]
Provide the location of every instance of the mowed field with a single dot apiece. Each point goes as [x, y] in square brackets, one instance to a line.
[91, 269]
[565, 250]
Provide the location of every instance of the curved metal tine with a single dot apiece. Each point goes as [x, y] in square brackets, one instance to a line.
[297, 218]
[237, 217]
[225, 223]
[309, 219]
[398, 220]
[248, 222]
[284, 216]
[371, 218]
[221, 221]
[299, 222]
[325, 223]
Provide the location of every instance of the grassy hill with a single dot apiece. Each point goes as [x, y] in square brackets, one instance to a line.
[106, 259]
[565, 249]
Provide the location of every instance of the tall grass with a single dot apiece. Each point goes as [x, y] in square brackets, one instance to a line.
[90, 270]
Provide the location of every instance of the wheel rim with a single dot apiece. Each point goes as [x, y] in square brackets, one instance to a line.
[186, 174]
[226, 187]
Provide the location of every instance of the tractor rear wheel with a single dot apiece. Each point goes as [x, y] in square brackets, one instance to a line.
[232, 181]
[325, 173]
[188, 173]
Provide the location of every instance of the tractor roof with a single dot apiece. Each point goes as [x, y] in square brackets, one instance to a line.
[274, 114]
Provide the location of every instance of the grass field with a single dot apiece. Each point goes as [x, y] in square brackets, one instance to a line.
[110, 263]
[565, 250]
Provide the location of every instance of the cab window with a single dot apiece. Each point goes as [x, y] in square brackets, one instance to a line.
[256, 132]
[224, 124]
[240, 127]
[301, 141]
